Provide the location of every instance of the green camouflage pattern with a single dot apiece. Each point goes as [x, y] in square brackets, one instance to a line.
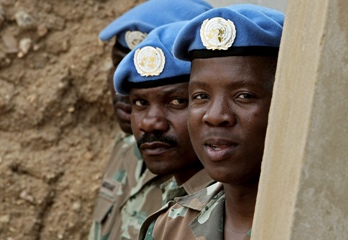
[197, 216]
[171, 210]
[127, 195]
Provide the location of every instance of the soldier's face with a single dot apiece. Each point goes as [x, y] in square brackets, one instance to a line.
[228, 112]
[121, 104]
[159, 123]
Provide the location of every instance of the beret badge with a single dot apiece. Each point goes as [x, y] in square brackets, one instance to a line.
[149, 61]
[217, 33]
[133, 38]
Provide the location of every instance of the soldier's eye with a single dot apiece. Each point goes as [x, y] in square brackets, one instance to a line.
[245, 95]
[200, 96]
[139, 102]
[178, 101]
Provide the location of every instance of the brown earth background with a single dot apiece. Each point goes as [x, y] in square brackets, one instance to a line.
[56, 118]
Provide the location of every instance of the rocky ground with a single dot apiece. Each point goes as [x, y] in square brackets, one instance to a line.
[56, 119]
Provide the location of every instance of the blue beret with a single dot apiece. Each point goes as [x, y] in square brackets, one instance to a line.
[151, 63]
[143, 18]
[237, 30]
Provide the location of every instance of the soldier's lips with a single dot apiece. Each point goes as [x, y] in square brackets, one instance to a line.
[155, 148]
[219, 149]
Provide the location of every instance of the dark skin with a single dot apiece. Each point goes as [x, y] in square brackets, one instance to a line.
[159, 123]
[228, 113]
[122, 105]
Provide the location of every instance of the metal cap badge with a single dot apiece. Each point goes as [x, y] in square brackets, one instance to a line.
[217, 33]
[149, 61]
[133, 38]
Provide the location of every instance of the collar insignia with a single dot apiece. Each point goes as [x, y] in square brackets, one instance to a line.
[217, 33]
[149, 61]
[133, 38]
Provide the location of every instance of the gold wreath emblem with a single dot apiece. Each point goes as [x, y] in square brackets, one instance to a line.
[149, 61]
[217, 33]
[133, 38]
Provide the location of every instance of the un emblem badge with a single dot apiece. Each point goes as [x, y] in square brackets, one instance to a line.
[149, 61]
[217, 33]
[133, 38]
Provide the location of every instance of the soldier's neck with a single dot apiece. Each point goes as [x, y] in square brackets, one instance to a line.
[239, 210]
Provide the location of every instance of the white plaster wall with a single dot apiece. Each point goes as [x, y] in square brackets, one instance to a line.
[276, 4]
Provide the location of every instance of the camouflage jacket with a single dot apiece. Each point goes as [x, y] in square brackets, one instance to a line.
[157, 220]
[197, 216]
[128, 194]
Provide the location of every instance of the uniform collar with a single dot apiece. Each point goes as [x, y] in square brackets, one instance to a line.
[200, 199]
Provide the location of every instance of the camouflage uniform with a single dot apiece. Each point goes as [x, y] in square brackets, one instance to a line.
[199, 181]
[197, 216]
[128, 194]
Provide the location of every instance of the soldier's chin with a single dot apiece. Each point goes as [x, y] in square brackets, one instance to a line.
[126, 127]
[158, 168]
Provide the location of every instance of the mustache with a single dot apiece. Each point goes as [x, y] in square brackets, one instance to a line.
[148, 138]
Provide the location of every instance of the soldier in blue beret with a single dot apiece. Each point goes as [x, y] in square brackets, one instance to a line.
[129, 191]
[132, 27]
[233, 52]
[157, 84]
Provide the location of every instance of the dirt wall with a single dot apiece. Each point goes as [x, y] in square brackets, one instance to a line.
[56, 119]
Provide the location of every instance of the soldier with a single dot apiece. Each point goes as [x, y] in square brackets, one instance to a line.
[157, 85]
[129, 192]
[233, 52]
